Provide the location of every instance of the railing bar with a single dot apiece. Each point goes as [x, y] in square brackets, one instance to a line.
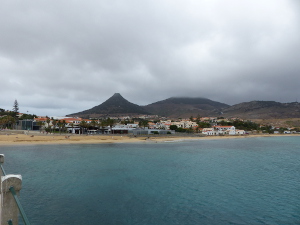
[22, 212]
[3, 171]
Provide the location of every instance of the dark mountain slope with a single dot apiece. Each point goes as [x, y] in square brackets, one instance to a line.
[185, 107]
[115, 105]
[263, 110]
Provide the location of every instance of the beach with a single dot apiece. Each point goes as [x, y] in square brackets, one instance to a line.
[11, 138]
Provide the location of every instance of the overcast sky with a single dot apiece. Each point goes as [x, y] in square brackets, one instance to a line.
[61, 57]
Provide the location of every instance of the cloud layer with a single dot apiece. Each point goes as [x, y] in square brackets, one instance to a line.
[60, 57]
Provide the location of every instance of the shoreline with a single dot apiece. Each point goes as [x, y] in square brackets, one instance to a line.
[48, 139]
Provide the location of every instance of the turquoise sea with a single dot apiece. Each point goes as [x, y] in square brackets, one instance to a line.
[232, 181]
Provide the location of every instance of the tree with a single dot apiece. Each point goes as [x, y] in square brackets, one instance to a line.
[41, 124]
[48, 121]
[180, 129]
[94, 123]
[72, 125]
[62, 126]
[16, 107]
[204, 125]
[173, 127]
[198, 119]
[83, 124]
[143, 123]
[16, 110]
[190, 130]
[59, 124]
[54, 122]
[110, 122]
[7, 122]
[102, 124]
[27, 116]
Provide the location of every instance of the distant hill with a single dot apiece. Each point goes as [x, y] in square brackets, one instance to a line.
[263, 110]
[184, 107]
[114, 106]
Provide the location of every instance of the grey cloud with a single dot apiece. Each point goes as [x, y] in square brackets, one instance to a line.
[63, 56]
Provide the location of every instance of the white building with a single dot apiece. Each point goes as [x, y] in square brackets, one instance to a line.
[240, 132]
[222, 130]
[225, 130]
[209, 131]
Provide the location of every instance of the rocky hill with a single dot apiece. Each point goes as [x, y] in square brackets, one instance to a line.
[185, 107]
[263, 110]
[114, 106]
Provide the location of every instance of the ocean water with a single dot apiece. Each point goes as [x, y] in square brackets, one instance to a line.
[233, 181]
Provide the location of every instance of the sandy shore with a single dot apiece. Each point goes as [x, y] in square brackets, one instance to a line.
[37, 138]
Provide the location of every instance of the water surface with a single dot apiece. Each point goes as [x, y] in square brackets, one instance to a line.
[233, 181]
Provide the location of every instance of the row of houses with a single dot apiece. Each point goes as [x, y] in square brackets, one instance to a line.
[74, 125]
[222, 130]
[165, 124]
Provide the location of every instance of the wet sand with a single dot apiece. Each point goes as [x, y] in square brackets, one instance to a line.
[38, 138]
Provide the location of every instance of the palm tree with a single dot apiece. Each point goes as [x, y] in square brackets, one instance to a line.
[94, 123]
[40, 124]
[83, 124]
[102, 124]
[197, 129]
[143, 123]
[59, 124]
[54, 122]
[63, 125]
[110, 123]
[72, 125]
[48, 121]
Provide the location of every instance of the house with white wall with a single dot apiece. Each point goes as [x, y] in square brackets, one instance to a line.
[240, 132]
[209, 131]
[225, 130]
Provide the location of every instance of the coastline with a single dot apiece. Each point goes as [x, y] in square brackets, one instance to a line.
[47, 139]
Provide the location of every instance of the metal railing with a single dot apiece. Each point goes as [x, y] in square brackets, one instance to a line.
[14, 194]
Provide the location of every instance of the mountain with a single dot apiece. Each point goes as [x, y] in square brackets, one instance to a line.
[114, 106]
[184, 107]
[263, 110]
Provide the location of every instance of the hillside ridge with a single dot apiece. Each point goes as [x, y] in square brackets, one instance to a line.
[184, 107]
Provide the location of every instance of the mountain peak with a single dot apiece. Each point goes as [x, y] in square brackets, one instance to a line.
[115, 105]
[117, 95]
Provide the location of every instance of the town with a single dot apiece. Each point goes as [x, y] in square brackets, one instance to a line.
[139, 125]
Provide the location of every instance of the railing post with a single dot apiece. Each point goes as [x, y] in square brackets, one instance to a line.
[8, 206]
[1, 162]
